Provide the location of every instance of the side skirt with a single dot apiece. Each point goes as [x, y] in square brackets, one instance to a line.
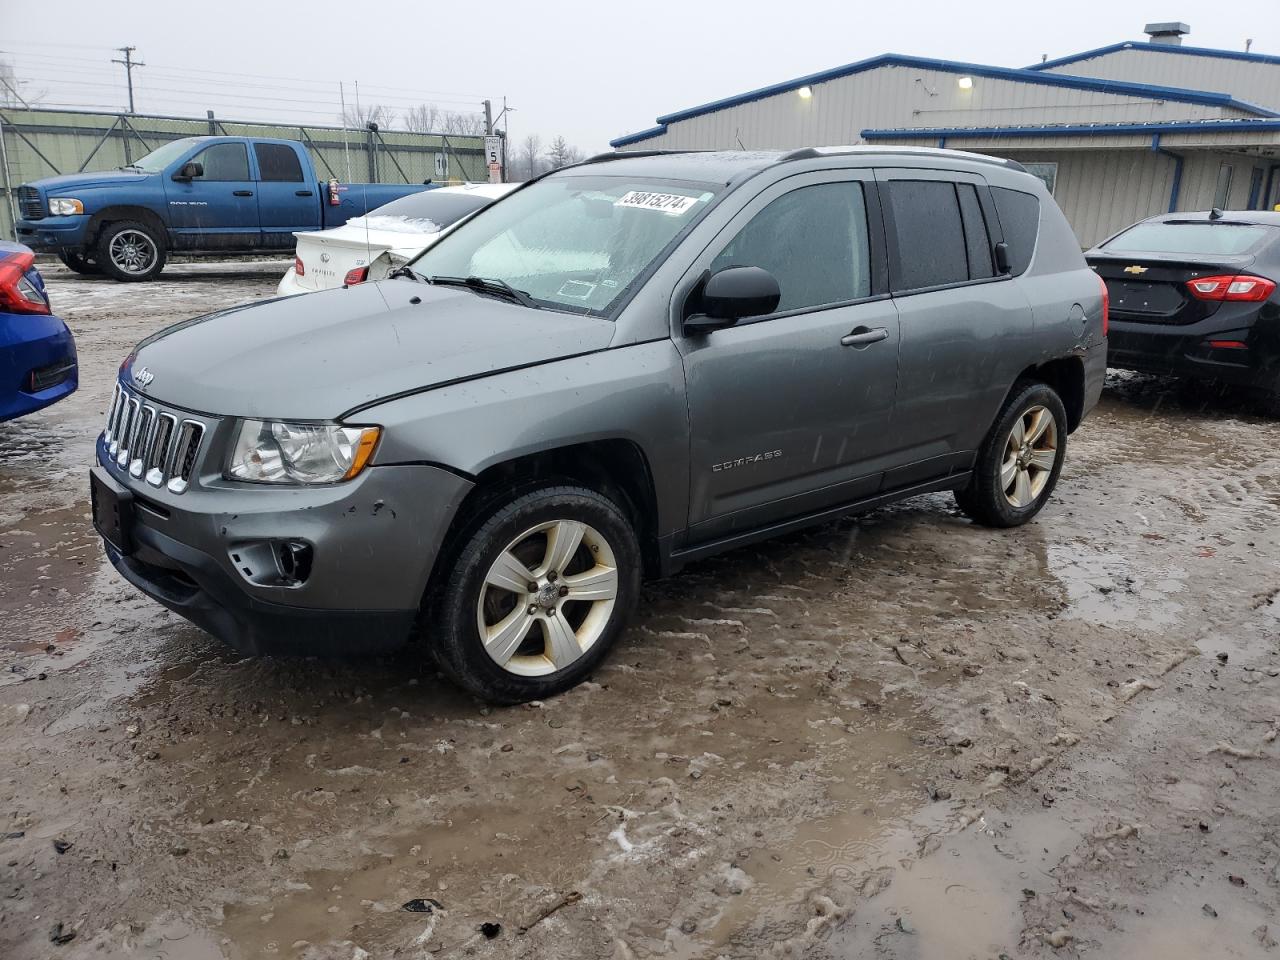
[672, 562]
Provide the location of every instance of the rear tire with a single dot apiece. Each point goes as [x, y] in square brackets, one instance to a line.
[540, 588]
[130, 251]
[1020, 459]
[79, 263]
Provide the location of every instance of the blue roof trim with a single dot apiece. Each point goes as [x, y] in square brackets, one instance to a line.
[637, 137]
[1157, 48]
[1018, 74]
[1091, 129]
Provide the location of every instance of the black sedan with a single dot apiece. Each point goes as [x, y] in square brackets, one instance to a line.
[1194, 294]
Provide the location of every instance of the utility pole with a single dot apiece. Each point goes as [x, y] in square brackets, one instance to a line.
[129, 63]
[488, 119]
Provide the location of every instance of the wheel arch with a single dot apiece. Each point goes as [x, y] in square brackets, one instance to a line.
[616, 467]
[114, 214]
[1067, 378]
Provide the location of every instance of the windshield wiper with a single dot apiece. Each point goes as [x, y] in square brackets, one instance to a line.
[490, 285]
[133, 166]
[404, 271]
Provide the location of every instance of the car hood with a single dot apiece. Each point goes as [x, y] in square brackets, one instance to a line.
[54, 186]
[320, 355]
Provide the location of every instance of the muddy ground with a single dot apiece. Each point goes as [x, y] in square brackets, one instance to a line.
[900, 736]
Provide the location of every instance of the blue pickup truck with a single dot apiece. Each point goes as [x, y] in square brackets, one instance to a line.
[198, 195]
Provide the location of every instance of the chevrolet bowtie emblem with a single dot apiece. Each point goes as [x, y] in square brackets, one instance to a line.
[1135, 269]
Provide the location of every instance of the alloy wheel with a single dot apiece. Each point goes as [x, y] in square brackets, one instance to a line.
[132, 251]
[547, 598]
[1030, 454]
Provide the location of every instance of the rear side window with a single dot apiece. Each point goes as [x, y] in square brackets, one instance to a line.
[224, 161]
[813, 240]
[276, 162]
[977, 241]
[928, 247]
[1019, 215]
[1225, 239]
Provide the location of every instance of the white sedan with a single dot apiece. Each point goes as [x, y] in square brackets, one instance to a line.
[370, 247]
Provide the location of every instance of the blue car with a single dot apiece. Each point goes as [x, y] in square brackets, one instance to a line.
[37, 352]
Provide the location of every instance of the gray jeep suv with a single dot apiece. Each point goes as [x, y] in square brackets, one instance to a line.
[623, 366]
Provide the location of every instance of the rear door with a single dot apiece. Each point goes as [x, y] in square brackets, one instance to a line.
[790, 412]
[218, 209]
[961, 322]
[287, 201]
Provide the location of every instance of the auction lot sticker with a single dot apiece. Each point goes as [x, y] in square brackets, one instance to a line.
[672, 203]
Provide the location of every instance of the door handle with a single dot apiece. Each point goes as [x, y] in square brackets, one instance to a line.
[864, 337]
[303, 193]
[242, 193]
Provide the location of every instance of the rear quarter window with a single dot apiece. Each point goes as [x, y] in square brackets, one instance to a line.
[1019, 215]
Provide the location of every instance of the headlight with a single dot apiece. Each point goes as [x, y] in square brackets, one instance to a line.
[270, 452]
[64, 207]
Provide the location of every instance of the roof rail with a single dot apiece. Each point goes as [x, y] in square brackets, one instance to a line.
[629, 154]
[813, 153]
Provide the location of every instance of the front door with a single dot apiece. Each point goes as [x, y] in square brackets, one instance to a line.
[789, 413]
[218, 209]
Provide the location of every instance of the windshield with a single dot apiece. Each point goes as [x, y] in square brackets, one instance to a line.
[161, 157]
[426, 212]
[1224, 239]
[572, 242]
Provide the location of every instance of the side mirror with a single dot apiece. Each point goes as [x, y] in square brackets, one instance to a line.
[189, 171]
[1002, 258]
[733, 294]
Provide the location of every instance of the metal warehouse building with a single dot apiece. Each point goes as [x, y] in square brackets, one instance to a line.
[1117, 134]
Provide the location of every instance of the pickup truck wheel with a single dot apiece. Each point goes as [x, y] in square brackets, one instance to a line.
[130, 251]
[79, 263]
[541, 589]
[1020, 459]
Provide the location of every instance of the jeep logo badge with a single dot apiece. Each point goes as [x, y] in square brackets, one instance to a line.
[143, 377]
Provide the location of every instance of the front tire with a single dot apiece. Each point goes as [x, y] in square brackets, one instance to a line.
[130, 251]
[79, 263]
[1020, 459]
[541, 587]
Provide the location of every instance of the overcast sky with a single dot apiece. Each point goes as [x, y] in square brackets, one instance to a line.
[588, 70]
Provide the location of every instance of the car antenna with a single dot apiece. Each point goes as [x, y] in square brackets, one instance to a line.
[1215, 213]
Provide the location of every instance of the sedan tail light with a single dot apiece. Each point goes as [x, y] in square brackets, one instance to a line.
[1235, 288]
[1106, 307]
[357, 275]
[18, 292]
[298, 267]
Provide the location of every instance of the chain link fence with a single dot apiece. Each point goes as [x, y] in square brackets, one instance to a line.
[38, 143]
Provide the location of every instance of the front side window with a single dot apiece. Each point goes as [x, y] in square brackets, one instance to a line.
[813, 240]
[575, 242]
[224, 161]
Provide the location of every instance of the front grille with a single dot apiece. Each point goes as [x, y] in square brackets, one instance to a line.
[151, 443]
[30, 204]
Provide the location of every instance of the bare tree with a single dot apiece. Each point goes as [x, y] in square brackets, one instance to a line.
[11, 92]
[367, 113]
[560, 154]
[424, 118]
[457, 124]
[527, 159]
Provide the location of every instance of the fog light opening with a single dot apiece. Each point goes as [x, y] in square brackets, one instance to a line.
[294, 560]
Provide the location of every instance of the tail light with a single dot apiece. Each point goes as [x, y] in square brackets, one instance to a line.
[298, 267]
[1106, 307]
[18, 292]
[1235, 288]
[358, 275]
